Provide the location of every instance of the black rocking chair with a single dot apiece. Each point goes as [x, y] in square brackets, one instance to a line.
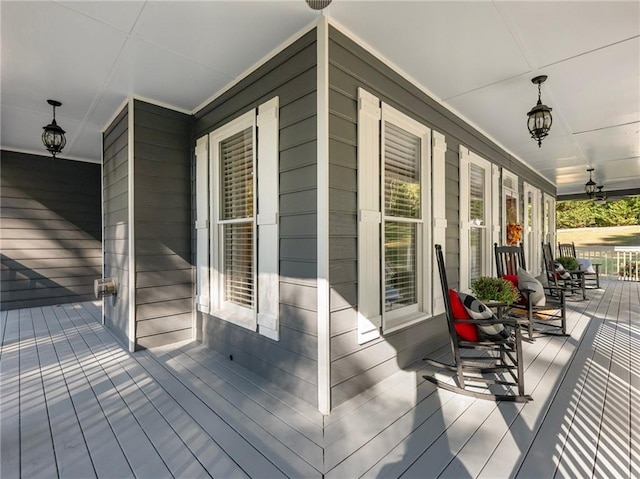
[591, 279]
[550, 319]
[497, 363]
[573, 284]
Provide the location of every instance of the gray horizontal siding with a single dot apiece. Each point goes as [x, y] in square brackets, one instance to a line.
[291, 362]
[115, 177]
[162, 162]
[354, 367]
[50, 230]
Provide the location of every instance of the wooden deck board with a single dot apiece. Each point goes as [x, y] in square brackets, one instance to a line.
[139, 450]
[10, 395]
[307, 422]
[516, 444]
[172, 451]
[36, 454]
[252, 418]
[634, 389]
[75, 404]
[71, 453]
[105, 452]
[612, 454]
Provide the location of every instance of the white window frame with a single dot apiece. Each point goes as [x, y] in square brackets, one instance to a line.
[508, 192]
[468, 158]
[408, 315]
[234, 313]
[531, 229]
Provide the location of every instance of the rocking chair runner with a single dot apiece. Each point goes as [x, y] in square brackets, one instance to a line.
[501, 357]
[550, 319]
[591, 278]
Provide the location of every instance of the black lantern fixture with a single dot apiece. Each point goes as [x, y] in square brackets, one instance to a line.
[590, 186]
[600, 197]
[53, 136]
[318, 4]
[539, 122]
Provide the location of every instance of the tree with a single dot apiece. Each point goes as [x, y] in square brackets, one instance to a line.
[585, 213]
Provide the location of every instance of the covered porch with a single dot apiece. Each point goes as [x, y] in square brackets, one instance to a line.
[75, 404]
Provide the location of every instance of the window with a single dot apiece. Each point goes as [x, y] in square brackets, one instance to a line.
[531, 229]
[232, 204]
[476, 221]
[397, 218]
[243, 274]
[510, 202]
[404, 145]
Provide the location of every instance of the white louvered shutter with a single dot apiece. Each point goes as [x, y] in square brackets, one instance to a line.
[439, 148]
[369, 217]
[202, 224]
[495, 214]
[268, 241]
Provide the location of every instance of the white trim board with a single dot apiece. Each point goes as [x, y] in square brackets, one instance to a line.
[323, 307]
[131, 334]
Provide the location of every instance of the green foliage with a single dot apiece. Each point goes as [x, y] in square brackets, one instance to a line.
[585, 213]
[487, 288]
[569, 263]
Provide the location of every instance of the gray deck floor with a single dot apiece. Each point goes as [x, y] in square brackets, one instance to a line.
[74, 404]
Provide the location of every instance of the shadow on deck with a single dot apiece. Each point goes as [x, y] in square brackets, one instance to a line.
[75, 404]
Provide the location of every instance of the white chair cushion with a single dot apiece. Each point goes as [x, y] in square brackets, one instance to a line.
[527, 281]
[585, 265]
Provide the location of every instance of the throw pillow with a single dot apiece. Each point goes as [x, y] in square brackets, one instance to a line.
[585, 265]
[478, 310]
[543, 279]
[527, 281]
[560, 271]
[466, 331]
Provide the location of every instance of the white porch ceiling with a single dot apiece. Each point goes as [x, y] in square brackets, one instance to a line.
[476, 57]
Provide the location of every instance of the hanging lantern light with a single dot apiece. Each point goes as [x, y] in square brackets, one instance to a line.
[53, 136]
[540, 119]
[600, 197]
[590, 186]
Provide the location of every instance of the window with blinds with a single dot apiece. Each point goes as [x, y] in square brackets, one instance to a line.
[477, 220]
[402, 215]
[236, 217]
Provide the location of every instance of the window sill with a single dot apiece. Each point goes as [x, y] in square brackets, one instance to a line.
[245, 319]
[405, 322]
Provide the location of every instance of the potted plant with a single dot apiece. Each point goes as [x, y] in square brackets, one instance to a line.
[487, 288]
[568, 263]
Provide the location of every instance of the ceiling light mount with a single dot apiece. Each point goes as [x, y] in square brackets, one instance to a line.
[539, 117]
[53, 136]
[318, 4]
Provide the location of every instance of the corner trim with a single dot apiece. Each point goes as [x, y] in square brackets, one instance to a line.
[131, 218]
[322, 141]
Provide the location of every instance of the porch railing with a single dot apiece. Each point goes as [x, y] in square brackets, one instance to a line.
[622, 262]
